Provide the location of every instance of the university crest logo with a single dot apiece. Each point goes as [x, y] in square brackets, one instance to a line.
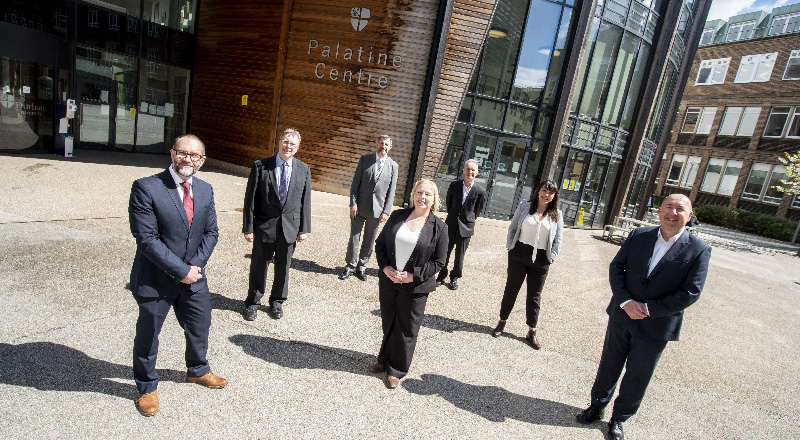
[359, 17]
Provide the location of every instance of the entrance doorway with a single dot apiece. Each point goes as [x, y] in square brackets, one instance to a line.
[104, 120]
[502, 161]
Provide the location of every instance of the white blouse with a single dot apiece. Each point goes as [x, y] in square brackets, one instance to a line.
[404, 244]
[535, 231]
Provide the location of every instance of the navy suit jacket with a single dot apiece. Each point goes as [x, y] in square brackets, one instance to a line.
[165, 244]
[461, 216]
[262, 204]
[428, 256]
[675, 283]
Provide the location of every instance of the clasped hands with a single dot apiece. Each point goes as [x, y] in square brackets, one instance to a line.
[398, 276]
[636, 310]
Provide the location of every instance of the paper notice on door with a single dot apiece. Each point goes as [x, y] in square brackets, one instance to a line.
[104, 95]
[143, 107]
[169, 110]
[104, 109]
[160, 110]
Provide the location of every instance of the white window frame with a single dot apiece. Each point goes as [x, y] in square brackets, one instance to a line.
[794, 60]
[705, 119]
[675, 157]
[706, 185]
[762, 65]
[706, 33]
[93, 19]
[716, 68]
[738, 29]
[769, 118]
[796, 201]
[782, 27]
[724, 179]
[729, 164]
[689, 172]
[771, 181]
[793, 121]
[737, 120]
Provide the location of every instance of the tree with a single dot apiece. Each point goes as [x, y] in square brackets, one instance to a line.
[791, 185]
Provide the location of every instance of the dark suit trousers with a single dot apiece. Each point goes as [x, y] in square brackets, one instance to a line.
[370, 227]
[640, 353]
[460, 243]
[401, 316]
[521, 265]
[193, 311]
[280, 252]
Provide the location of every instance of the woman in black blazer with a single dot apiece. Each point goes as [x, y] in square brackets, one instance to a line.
[411, 250]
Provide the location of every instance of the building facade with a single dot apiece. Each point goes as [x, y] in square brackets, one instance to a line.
[740, 112]
[577, 91]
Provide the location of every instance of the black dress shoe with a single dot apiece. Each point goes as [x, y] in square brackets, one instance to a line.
[453, 285]
[498, 331]
[346, 273]
[250, 313]
[275, 311]
[615, 430]
[590, 414]
[439, 282]
[361, 275]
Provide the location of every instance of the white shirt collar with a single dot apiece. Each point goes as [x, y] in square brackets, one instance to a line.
[279, 161]
[673, 239]
[177, 178]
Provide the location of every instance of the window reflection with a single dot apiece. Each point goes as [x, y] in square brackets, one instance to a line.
[537, 49]
[163, 99]
[500, 53]
[174, 14]
[599, 74]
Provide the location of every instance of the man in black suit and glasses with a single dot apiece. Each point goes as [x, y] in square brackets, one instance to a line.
[277, 215]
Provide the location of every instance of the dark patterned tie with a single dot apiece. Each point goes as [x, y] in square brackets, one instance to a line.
[188, 203]
[284, 189]
[378, 172]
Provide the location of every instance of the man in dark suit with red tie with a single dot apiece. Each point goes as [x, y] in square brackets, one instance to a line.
[277, 215]
[174, 222]
[658, 272]
[464, 203]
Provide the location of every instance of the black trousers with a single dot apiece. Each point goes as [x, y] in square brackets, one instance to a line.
[639, 355]
[193, 311]
[522, 264]
[460, 243]
[280, 252]
[401, 317]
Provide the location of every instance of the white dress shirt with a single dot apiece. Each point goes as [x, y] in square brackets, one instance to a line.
[279, 169]
[178, 181]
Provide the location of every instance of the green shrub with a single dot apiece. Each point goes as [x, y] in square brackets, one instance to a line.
[746, 221]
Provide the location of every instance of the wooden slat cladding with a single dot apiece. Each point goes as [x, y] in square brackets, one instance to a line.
[237, 54]
[468, 28]
[343, 87]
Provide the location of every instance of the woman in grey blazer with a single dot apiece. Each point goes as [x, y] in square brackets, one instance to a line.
[534, 239]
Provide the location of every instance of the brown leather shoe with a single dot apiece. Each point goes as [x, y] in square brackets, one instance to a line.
[148, 403]
[208, 380]
[391, 381]
[377, 368]
[498, 331]
[531, 338]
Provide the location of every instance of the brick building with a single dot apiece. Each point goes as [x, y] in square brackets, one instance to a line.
[740, 111]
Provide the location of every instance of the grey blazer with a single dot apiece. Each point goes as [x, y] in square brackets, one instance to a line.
[370, 196]
[556, 230]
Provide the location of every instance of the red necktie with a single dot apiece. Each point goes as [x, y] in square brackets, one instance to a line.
[188, 203]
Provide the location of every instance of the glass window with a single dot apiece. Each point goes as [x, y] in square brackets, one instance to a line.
[675, 169]
[619, 82]
[452, 156]
[599, 73]
[585, 63]
[776, 121]
[712, 71]
[794, 124]
[755, 181]
[489, 113]
[106, 64]
[690, 171]
[163, 104]
[772, 194]
[708, 37]
[520, 120]
[501, 49]
[698, 120]
[796, 201]
[785, 24]
[537, 51]
[713, 173]
[690, 119]
[747, 125]
[111, 30]
[175, 14]
[729, 177]
[27, 104]
[741, 31]
[557, 60]
[756, 68]
[638, 77]
[739, 121]
[730, 120]
[792, 71]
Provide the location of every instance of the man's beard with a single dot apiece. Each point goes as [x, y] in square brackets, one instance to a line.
[187, 171]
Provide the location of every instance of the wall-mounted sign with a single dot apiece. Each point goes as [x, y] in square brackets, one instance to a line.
[244, 99]
[359, 17]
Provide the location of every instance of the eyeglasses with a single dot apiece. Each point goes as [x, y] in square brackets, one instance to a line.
[183, 154]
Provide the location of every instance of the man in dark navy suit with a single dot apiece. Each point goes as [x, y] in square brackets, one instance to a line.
[464, 203]
[277, 216]
[173, 219]
[658, 272]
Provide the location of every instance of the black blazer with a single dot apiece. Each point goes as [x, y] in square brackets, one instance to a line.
[262, 205]
[461, 217]
[165, 244]
[674, 284]
[428, 256]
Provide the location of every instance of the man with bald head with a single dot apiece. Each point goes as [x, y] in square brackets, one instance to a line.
[657, 273]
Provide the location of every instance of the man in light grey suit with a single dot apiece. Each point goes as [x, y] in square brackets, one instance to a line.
[371, 199]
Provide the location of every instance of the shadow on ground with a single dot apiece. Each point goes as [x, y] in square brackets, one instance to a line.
[47, 366]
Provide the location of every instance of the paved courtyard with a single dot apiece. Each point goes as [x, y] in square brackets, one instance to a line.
[67, 328]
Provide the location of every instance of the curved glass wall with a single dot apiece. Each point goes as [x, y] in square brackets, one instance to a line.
[507, 115]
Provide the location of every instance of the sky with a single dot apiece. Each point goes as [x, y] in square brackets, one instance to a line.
[725, 9]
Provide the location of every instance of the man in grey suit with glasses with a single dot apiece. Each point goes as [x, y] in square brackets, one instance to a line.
[371, 199]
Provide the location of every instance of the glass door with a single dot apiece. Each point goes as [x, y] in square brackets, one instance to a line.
[106, 115]
[501, 163]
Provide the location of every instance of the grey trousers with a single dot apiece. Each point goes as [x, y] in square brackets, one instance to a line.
[358, 256]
